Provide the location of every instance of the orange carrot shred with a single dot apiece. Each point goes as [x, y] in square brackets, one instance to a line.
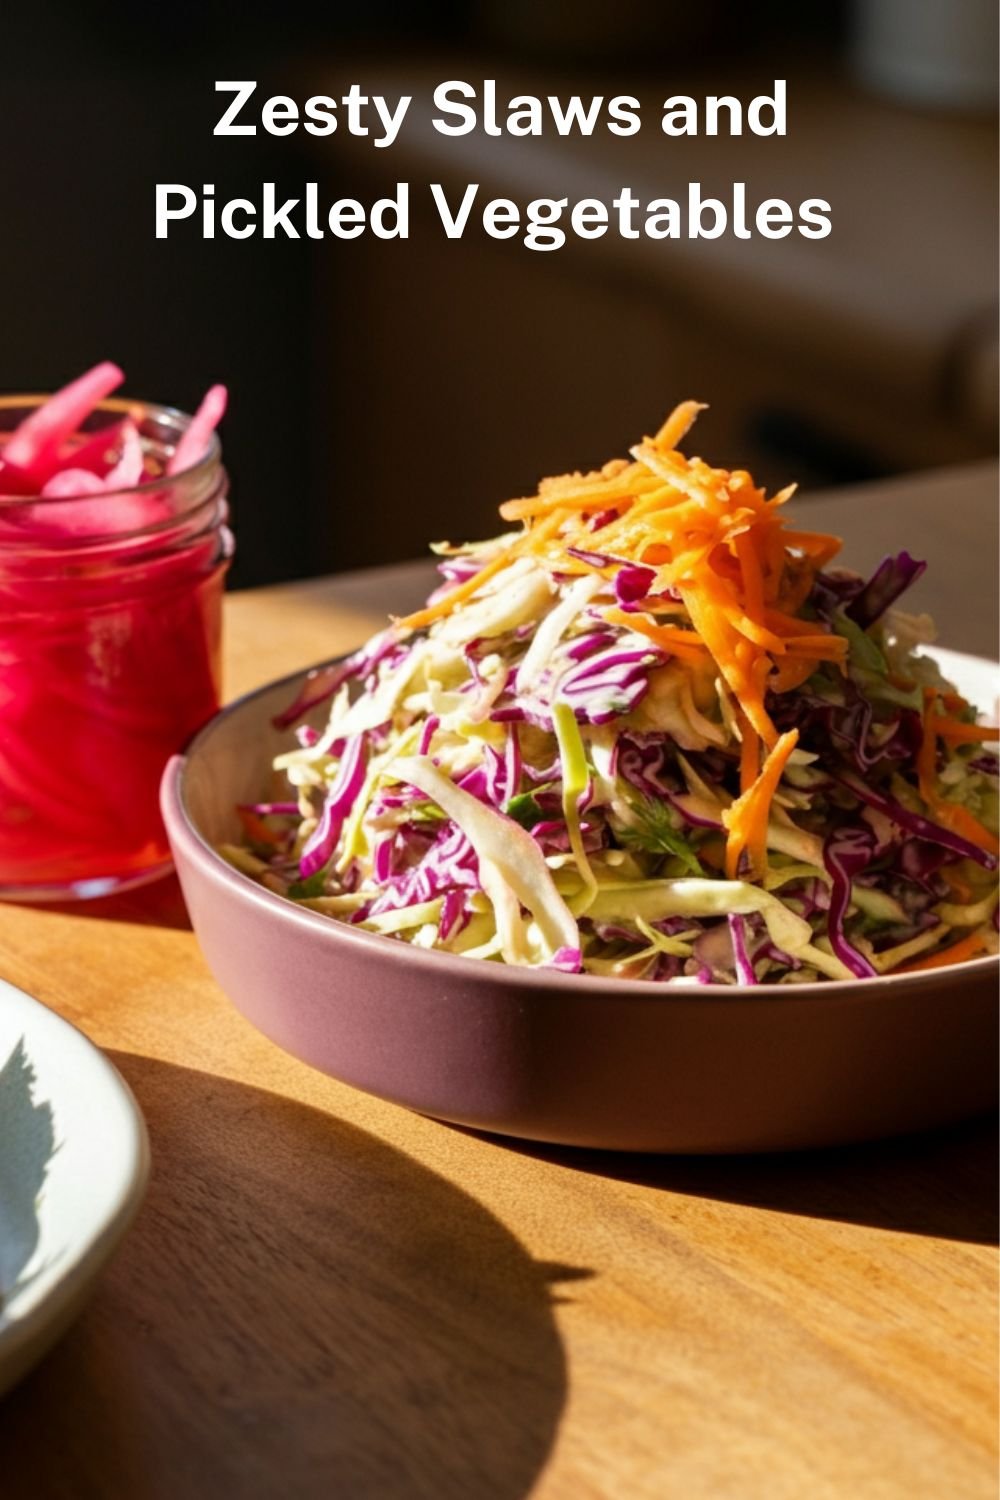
[749, 754]
[962, 822]
[458, 595]
[791, 672]
[951, 814]
[959, 733]
[969, 947]
[747, 819]
[258, 831]
[720, 550]
[670, 637]
[678, 424]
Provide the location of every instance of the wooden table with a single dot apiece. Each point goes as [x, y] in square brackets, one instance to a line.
[327, 1296]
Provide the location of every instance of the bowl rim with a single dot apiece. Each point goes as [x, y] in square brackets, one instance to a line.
[179, 822]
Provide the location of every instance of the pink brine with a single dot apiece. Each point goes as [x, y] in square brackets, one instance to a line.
[113, 550]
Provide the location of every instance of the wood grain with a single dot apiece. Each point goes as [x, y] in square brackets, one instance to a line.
[327, 1296]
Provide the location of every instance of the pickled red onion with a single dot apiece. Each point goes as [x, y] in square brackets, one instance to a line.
[40, 459]
[204, 422]
[33, 447]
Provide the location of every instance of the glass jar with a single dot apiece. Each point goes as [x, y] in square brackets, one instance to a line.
[110, 634]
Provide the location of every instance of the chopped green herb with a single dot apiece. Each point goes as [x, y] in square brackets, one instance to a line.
[653, 830]
[309, 889]
[525, 810]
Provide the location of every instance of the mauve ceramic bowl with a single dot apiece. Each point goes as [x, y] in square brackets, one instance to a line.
[556, 1057]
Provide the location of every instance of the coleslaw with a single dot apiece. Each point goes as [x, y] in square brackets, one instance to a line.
[653, 733]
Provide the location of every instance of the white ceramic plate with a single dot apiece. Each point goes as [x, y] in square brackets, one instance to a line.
[73, 1166]
[977, 679]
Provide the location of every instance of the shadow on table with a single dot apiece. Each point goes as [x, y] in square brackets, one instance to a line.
[941, 1183]
[300, 1310]
[159, 904]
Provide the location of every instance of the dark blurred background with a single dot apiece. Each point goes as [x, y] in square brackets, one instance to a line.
[386, 393]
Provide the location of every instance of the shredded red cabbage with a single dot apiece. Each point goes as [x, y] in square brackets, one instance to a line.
[846, 852]
[741, 958]
[892, 576]
[922, 827]
[347, 784]
[321, 684]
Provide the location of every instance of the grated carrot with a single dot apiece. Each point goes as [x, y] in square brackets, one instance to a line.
[678, 424]
[527, 510]
[951, 814]
[671, 637]
[962, 822]
[791, 672]
[713, 537]
[258, 831]
[817, 545]
[747, 626]
[969, 947]
[457, 595]
[792, 625]
[749, 754]
[717, 634]
[753, 576]
[818, 647]
[959, 733]
[747, 819]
